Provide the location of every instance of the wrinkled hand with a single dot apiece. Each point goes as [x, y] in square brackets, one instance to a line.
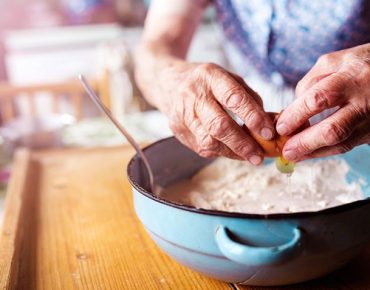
[340, 79]
[195, 96]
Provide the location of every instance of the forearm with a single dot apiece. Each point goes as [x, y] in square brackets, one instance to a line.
[168, 31]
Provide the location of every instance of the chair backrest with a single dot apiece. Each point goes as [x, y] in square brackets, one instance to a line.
[71, 89]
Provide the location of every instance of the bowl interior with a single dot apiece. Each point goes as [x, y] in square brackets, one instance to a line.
[171, 162]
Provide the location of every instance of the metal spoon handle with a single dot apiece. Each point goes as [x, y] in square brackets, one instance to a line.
[129, 138]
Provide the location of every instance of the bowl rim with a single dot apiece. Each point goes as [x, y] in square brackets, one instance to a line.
[303, 214]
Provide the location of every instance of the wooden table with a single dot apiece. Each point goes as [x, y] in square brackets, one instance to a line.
[69, 224]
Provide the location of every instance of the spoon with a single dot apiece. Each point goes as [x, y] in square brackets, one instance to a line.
[155, 188]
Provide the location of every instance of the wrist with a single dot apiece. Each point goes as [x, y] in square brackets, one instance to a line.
[152, 64]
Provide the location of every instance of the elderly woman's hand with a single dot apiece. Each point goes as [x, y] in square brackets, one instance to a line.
[340, 79]
[195, 96]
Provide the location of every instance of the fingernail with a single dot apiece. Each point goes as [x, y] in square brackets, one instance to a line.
[290, 155]
[267, 133]
[282, 129]
[255, 159]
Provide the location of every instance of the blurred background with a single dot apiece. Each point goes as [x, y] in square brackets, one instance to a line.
[45, 44]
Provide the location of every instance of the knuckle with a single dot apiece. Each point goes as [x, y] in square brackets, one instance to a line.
[303, 147]
[241, 147]
[207, 146]
[359, 111]
[344, 148]
[208, 143]
[232, 97]
[218, 126]
[207, 153]
[253, 119]
[318, 101]
[207, 68]
[325, 59]
[333, 134]
[245, 149]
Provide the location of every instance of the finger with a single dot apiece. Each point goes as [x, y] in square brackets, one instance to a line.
[329, 132]
[251, 92]
[324, 67]
[359, 136]
[220, 126]
[207, 146]
[183, 134]
[233, 96]
[309, 81]
[326, 152]
[202, 145]
[327, 93]
[191, 133]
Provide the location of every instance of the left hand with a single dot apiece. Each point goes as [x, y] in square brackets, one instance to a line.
[340, 79]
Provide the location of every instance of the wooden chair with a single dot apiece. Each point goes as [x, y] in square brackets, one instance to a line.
[72, 89]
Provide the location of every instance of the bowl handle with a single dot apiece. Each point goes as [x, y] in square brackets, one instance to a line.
[257, 256]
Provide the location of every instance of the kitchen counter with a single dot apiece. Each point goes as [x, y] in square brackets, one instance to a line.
[69, 223]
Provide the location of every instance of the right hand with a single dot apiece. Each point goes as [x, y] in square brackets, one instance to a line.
[195, 96]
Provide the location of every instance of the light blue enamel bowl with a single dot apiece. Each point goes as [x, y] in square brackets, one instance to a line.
[252, 249]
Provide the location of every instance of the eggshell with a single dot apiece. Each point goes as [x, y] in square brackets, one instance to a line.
[274, 147]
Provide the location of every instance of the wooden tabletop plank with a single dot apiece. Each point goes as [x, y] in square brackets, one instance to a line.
[69, 223]
[79, 229]
[10, 232]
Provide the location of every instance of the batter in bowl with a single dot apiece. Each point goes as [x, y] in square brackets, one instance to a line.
[236, 186]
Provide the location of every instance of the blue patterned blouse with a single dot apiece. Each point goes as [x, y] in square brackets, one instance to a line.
[287, 36]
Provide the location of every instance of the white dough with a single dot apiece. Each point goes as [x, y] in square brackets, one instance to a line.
[237, 186]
